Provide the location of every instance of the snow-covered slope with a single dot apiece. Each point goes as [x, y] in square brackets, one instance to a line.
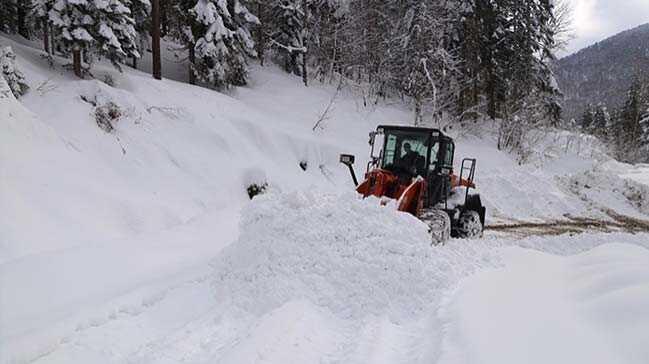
[105, 238]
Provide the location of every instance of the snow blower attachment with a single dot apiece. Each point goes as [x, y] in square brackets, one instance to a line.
[415, 167]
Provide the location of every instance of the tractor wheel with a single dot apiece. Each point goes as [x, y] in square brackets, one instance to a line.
[469, 225]
[439, 225]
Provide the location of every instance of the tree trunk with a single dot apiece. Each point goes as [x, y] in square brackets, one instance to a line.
[192, 59]
[46, 37]
[134, 64]
[260, 41]
[76, 62]
[305, 31]
[155, 39]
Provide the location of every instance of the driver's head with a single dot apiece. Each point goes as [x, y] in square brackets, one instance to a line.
[406, 147]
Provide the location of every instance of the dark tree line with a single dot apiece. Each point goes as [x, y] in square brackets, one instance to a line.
[451, 59]
[626, 129]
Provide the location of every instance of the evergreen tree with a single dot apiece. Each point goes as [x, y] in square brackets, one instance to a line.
[601, 125]
[39, 19]
[72, 22]
[114, 31]
[87, 26]
[644, 137]
[223, 41]
[290, 35]
[630, 135]
[140, 12]
[13, 15]
[587, 120]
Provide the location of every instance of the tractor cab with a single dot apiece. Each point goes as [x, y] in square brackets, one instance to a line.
[410, 152]
[414, 166]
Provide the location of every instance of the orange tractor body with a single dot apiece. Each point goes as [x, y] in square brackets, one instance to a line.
[414, 166]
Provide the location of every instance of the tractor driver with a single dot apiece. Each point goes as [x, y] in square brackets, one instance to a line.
[409, 159]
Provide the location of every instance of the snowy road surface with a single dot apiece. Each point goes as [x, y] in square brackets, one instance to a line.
[362, 284]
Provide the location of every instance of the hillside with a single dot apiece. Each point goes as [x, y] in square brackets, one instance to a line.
[603, 71]
[142, 246]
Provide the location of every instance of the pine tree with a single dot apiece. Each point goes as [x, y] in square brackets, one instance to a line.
[644, 137]
[87, 26]
[290, 35]
[587, 120]
[8, 16]
[114, 31]
[40, 21]
[140, 12]
[72, 22]
[13, 15]
[630, 131]
[601, 123]
[223, 41]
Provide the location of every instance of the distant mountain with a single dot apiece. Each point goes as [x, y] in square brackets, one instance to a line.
[603, 71]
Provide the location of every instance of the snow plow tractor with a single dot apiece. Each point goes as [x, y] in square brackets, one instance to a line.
[414, 167]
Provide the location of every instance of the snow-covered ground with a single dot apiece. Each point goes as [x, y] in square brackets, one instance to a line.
[142, 245]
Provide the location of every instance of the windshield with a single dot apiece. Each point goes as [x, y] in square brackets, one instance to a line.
[407, 151]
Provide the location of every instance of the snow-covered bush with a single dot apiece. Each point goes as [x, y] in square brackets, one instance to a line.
[106, 115]
[15, 79]
[256, 189]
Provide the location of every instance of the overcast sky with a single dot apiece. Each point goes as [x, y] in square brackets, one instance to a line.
[595, 20]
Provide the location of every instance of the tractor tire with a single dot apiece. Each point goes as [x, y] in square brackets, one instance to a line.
[439, 225]
[469, 225]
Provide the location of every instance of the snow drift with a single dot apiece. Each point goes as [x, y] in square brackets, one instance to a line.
[592, 307]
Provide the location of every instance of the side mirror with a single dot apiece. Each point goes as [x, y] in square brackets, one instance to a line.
[348, 160]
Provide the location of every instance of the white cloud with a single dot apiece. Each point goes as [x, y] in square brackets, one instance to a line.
[595, 20]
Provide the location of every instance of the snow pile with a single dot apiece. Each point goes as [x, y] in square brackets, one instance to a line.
[612, 185]
[349, 255]
[588, 308]
[560, 147]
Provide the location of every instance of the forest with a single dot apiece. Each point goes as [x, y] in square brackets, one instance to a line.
[451, 61]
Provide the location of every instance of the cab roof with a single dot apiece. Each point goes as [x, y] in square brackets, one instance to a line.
[413, 129]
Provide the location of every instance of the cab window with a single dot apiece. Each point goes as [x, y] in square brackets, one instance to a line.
[405, 151]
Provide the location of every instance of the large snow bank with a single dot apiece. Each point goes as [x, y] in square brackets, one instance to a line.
[588, 308]
[350, 255]
[612, 185]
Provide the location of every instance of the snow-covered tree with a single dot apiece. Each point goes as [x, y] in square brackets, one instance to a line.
[290, 33]
[13, 16]
[140, 12]
[72, 22]
[223, 41]
[114, 30]
[14, 78]
[587, 118]
[88, 26]
[602, 124]
[40, 22]
[419, 63]
[644, 137]
[630, 132]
